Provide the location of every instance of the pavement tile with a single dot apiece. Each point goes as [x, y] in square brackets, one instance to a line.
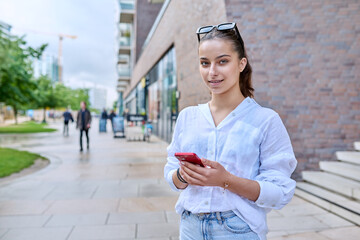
[70, 194]
[76, 220]
[83, 206]
[146, 170]
[3, 231]
[301, 210]
[21, 193]
[333, 221]
[172, 217]
[276, 234]
[301, 236]
[296, 223]
[37, 233]
[156, 190]
[103, 232]
[23, 221]
[136, 217]
[274, 213]
[157, 230]
[348, 233]
[25, 207]
[119, 191]
[151, 204]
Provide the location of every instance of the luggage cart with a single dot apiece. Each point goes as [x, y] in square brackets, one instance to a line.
[118, 127]
[102, 125]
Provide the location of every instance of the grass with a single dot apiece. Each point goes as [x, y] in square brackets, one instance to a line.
[12, 161]
[26, 127]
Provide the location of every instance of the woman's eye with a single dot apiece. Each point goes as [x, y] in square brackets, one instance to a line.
[223, 61]
[204, 63]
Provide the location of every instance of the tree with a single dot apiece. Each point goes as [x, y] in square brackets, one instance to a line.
[115, 104]
[46, 96]
[16, 83]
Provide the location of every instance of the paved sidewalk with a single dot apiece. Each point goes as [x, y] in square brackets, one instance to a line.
[116, 190]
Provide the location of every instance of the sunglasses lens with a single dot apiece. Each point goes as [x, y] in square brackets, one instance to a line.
[226, 26]
[205, 29]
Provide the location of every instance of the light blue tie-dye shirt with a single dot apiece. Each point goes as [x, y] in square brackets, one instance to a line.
[251, 142]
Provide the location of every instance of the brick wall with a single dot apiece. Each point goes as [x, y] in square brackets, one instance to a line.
[306, 60]
[145, 16]
[305, 56]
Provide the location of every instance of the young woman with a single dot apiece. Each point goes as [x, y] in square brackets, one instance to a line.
[245, 148]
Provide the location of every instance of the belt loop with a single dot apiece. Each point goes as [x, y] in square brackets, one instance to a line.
[219, 218]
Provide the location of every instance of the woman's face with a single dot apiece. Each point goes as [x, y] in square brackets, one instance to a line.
[220, 66]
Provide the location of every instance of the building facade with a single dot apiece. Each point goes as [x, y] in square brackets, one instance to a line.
[305, 57]
[97, 98]
[47, 65]
[134, 19]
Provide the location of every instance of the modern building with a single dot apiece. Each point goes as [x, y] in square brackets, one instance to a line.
[135, 19]
[97, 97]
[46, 65]
[305, 57]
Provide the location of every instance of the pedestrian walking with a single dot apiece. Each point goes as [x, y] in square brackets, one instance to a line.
[67, 117]
[103, 121]
[244, 147]
[111, 117]
[104, 114]
[83, 122]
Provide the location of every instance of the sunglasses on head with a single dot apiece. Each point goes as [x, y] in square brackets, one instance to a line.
[220, 27]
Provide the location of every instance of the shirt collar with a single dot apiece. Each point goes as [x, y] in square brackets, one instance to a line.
[205, 109]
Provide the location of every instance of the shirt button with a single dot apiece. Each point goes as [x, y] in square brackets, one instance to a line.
[248, 100]
[233, 114]
[206, 203]
[273, 205]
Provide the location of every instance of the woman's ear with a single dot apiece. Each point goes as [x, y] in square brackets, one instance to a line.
[242, 64]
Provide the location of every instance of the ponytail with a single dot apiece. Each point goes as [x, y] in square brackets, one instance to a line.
[245, 81]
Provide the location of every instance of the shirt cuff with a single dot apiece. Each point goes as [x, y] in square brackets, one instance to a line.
[170, 180]
[270, 195]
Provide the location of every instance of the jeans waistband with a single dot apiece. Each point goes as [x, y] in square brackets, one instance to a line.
[212, 215]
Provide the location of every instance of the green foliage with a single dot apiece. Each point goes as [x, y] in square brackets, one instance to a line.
[26, 127]
[67, 97]
[20, 90]
[12, 161]
[115, 105]
[16, 83]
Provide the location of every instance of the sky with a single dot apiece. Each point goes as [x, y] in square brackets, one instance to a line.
[88, 61]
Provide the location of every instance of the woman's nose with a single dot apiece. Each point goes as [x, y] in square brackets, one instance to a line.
[213, 70]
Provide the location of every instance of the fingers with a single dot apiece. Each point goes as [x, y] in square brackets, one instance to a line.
[192, 177]
[194, 167]
[209, 163]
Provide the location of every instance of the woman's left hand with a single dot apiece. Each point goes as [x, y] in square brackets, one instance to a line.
[213, 174]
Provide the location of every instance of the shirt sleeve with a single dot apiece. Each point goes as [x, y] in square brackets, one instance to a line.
[277, 163]
[172, 162]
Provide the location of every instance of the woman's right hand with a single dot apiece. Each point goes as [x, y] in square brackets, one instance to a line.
[177, 182]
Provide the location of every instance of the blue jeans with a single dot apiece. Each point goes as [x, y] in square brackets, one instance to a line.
[214, 226]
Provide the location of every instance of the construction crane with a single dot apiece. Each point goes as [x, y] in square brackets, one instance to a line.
[61, 37]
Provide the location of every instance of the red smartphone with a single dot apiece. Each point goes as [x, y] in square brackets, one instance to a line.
[189, 157]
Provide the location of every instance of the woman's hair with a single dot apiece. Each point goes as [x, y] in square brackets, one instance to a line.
[231, 36]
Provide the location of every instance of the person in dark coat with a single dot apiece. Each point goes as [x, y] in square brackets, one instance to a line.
[111, 117]
[67, 117]
[83, 122]
[104, 114]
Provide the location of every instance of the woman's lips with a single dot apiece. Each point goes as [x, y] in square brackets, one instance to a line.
[215, 82]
